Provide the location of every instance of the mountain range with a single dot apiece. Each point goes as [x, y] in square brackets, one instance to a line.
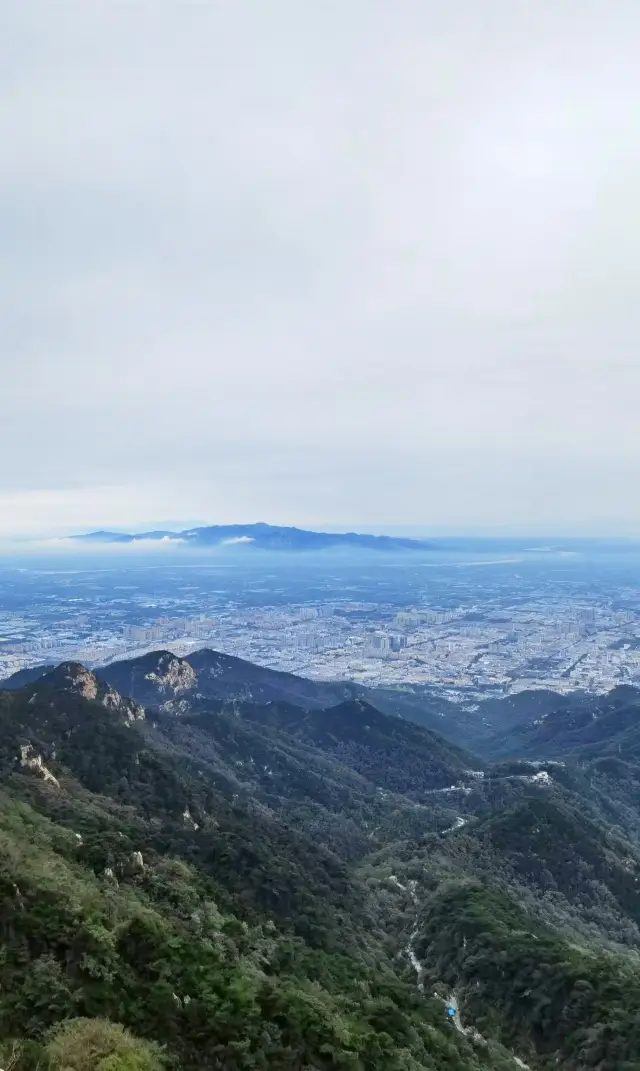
[261, 537]
[208, 864]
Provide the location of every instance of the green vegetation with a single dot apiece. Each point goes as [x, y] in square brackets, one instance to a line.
[146, 945]
[98, 1045]
[236, 944]
[525, 984]
[247, 887]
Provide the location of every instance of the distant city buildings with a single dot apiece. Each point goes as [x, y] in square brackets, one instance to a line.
[167, 628]
[309, 641]
[414, 618]
[489, 637]
[383, 643]
[406, 619]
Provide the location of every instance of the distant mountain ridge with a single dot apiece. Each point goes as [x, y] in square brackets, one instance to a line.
[262, 537]
[160, 677]
[578, 727]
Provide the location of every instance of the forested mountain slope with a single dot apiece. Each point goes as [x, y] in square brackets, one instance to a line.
[133, 890]
[558, 1002]
[253, 761]
[260, 884]
[608, 724]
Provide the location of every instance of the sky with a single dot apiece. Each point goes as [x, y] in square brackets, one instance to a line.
[357, 262]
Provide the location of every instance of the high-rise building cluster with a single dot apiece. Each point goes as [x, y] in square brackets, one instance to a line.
[381, 643]
[310, 613]
[413, 618]
[310, 641]
[169, 628]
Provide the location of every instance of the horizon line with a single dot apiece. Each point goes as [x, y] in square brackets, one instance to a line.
[397, 530]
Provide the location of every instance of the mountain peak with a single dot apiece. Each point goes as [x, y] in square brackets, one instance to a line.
[172, 674]
[75, 678]
[159, 678]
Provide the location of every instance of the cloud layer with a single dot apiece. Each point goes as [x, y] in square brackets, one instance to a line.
[346, 263]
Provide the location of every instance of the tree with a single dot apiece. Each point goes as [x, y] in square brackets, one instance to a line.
[100, 1045]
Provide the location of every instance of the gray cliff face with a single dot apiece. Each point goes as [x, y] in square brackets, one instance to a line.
[173, 676]
[78, 680]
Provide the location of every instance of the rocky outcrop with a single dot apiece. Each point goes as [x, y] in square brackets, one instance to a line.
[32, 761]
[77, 679]
[173, 675]
[80, 680]
[188, 818]
[114, 701]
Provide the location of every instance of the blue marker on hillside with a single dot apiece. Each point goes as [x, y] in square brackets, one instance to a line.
[451, 1011]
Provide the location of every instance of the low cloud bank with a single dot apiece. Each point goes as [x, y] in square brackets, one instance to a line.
[66, 545]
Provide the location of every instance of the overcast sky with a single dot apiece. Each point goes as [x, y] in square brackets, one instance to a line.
[360, 261]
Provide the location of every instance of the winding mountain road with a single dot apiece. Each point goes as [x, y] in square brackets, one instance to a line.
[452, 1000]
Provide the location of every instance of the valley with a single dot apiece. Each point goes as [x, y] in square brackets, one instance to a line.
[249, 847]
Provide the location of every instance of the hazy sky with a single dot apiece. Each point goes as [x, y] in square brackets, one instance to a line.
[355, 261]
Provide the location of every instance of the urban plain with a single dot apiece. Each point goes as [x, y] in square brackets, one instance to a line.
[468, 625]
